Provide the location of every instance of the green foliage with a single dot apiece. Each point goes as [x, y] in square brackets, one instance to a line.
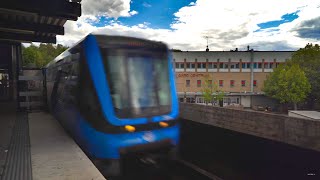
[207, 91]
[210, 91]
[288, 84]
[42, 55]
[176, 50]
[308, 59]
[218, 95]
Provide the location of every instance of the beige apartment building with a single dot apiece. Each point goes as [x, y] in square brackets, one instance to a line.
[240, 74]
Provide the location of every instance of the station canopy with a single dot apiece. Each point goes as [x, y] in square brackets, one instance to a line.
[36, 20]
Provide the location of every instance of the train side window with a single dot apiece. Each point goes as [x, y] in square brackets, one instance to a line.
[71, 87]
[88, 101]
[63, 76]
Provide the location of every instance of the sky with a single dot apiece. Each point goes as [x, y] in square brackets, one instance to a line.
[270, 25]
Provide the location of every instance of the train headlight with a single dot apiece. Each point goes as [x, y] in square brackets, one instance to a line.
[163, 124]
[130, 128]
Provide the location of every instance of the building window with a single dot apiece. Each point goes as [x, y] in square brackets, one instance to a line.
[243, 83]
[246, 65]
[234, 66]
[210, 83]
[179, 65]
[270, 65]
[212, 65]
[220, 83]
[198, 83]
[187, 83]
[223, 65]
[232, 83]
[231, 100]
[191, 65]
[255, 83]
[201, 65]
[259, 65]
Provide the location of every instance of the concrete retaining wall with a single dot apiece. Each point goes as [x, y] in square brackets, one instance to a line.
[300, 132]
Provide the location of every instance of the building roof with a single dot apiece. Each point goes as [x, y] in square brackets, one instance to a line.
[36, 20]
[307, 114]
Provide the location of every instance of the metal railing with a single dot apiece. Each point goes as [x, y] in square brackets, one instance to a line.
[31, 88]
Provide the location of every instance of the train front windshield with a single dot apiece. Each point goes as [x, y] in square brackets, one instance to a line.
[138, 82]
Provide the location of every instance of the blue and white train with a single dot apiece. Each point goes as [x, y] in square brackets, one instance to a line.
[115, 95]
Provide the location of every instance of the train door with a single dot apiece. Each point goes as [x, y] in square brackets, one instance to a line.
[54, 92]
[70, 97]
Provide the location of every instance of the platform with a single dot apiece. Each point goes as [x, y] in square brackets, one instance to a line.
[54, 154]
[35, 146]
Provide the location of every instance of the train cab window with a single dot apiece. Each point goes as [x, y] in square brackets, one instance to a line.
[138, 82]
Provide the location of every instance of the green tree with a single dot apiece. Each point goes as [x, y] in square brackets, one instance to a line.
[42, 54]
[176, 50]
[31, 55]
[288, 84]
[308, 58]
[207, 90]
[218, 96]
[211, 92]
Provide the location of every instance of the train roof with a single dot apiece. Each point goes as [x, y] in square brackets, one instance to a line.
[100, 38]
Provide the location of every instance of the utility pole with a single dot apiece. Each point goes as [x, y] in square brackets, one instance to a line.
[207, 37]
[252, 69]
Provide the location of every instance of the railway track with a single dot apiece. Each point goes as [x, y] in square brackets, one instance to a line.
[144, 169]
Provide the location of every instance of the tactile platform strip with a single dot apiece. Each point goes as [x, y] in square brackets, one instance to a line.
[18, 162]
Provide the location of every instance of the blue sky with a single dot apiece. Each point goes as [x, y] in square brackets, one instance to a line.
[158, 13]
[154, 13]
[286, 18]
[182, 24]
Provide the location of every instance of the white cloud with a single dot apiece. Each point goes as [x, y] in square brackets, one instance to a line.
[133, 13]
[232, 23]
[109, 8]
[228, 23]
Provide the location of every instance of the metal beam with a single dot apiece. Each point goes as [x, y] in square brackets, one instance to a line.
[26, 37]
[30, 78]
[31, 27]
[56, 8]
